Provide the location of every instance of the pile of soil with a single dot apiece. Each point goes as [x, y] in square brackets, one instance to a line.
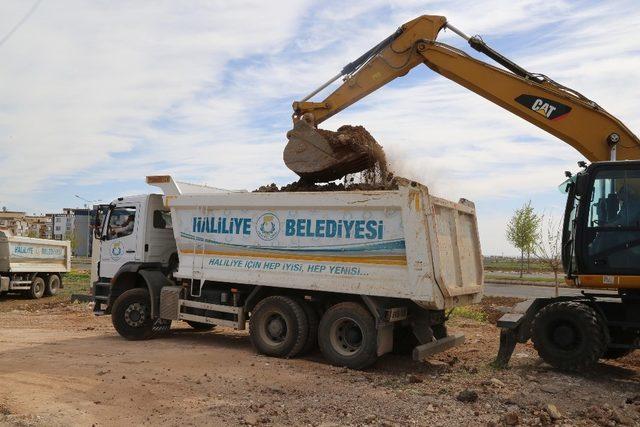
[352, 139]
[332, 186]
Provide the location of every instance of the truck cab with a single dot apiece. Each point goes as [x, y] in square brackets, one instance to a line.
[133, 232]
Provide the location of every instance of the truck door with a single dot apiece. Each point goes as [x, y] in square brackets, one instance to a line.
[120, 239]
[160, 243]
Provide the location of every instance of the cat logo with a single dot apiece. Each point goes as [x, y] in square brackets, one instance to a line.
[551, 110]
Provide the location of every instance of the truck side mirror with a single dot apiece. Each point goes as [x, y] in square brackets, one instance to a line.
[97, 225]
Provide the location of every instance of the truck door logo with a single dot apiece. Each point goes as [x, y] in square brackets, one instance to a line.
[116, 251]
[268, 226]
[552, 110]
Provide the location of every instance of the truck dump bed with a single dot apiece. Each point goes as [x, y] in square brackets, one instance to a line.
[403, 243]
[25, 254]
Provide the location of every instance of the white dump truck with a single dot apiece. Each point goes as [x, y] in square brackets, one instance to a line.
[360, 273]
[33, 266]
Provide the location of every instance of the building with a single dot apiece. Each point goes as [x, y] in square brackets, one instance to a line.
[40, 226]
[74, 225]
[63, 224]
[14, 221]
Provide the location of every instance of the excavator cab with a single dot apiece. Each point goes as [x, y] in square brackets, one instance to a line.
[601, 236]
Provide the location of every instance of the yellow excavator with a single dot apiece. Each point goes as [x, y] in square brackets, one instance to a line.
[601, 229]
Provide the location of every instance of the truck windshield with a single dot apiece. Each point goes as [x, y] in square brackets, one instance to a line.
[121, 222]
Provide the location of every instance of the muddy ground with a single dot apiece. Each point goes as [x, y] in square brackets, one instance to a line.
[60, 365]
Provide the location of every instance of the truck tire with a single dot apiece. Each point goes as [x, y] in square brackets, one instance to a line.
[131, 315]
[312, 323]
[278, 327]
[569, 335]
[53, 285]
[37, 288]
[200, 326]
[348, 336]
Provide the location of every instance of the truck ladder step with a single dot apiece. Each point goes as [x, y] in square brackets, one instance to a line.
[211, 321]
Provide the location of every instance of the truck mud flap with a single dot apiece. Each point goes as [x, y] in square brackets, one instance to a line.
[423, 351]
[155, 281]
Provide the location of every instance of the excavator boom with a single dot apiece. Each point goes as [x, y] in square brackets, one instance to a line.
[558, 110]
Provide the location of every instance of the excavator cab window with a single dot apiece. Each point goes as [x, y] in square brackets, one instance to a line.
[569, 226]
[612, 231]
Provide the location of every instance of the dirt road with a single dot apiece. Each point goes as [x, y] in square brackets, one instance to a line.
[62, 366]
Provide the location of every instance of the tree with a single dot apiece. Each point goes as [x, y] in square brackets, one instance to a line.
[73, 241]
[548, 247]
[522, 232]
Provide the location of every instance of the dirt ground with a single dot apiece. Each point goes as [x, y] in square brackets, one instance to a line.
[60, 365]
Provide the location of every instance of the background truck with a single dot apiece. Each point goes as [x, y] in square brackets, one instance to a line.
[33, 266]
[356, 272]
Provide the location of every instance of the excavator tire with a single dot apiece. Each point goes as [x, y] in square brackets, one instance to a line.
[569, 335]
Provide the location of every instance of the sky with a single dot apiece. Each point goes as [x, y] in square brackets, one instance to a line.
[96, 95]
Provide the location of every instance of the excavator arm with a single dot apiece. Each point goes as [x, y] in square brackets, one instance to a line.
[558, 110]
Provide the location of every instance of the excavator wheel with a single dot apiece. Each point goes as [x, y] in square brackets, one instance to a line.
[569, 335]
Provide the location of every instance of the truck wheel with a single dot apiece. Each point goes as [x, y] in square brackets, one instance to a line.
[278, 327]
[347, 336]
[200, 326]
[53, 285]
[312, 324]
[569, 335]
[131, 315]
[37, 288]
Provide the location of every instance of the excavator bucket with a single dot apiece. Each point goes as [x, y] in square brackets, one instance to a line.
[321, 155]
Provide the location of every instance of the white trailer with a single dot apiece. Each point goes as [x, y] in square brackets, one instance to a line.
[357, 272]
[30, 265]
